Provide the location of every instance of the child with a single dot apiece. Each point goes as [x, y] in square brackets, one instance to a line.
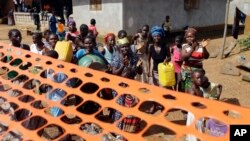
[210, 90]
[60, 30]
[45, 39]
[177, 60]
[92, 27]
[52, 54]
[15, 38]
[167, 27]
[122, 34]
[38, 46]
[53, 38]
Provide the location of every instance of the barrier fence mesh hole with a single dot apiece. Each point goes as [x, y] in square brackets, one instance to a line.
[89, 107]
[71, 119]
[38, 59]
[35, 69]
[14, 105]
[211, 126]
[3, 70]
[44, 88]
[198, 105]
[60, 66]
[39, 104]
[144, 90]
[73, 70]
[21, 114]
[73, 82]
[10, 75]
[104, 79]
[127, 100]
[72, 137]
[20, 80]
[27, 56]
[109, 115]
[107, 94]
[51, 132]
[34, 123]
[88, 75]
[158, 132]
[72, 100]
[131, 124]
[13, 135]
[31, 84]
[26, 98]
[16, 62]
[15, 93]
[59, 77]
[48, 73]
[151, 107]
[54, 111]
[113, 136]
[56, 95]
[123, 85]
[89, 88]
[177, 116]
[169, 97]
[232, 114]
[91, 128]
[7, 59]
[189, 137]
[25, 66]
[48, 62]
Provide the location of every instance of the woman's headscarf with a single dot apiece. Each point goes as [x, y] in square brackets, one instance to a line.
[122, 41]
[191, 30]
[156, 30]
[107, 36]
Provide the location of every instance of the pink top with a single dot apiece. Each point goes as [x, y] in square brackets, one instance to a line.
[93, 29]
[177, 59]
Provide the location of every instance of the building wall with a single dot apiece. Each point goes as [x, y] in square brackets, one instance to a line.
[109, 19]
[139, 12]
[243, 5]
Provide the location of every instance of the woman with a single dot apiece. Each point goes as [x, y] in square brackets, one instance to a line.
[158, 51]
[193, 53]
[125, 62]
[109, 51]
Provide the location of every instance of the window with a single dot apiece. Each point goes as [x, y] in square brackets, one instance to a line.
[95, 5]
[191, 4]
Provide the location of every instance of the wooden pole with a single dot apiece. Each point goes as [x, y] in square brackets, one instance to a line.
[225, 29]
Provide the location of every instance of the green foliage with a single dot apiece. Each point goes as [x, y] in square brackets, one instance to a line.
[244, 42]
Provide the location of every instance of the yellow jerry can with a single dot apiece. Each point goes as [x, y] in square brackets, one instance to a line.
[64, 50]
[166, 74]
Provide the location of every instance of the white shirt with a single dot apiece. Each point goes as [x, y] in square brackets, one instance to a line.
[33, 49]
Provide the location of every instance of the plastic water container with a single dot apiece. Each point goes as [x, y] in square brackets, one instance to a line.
[64, 50]
[166, 74]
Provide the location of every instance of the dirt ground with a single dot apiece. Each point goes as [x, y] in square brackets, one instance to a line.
[234, 90]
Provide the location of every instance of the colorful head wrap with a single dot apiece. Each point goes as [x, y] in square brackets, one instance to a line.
[122, 41]
[191, 30]
[156, 30]
[107, 36]
[72, 22]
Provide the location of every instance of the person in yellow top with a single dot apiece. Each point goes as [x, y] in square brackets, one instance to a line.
[60, 30]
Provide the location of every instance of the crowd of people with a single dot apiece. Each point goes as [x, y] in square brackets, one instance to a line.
[133, 58]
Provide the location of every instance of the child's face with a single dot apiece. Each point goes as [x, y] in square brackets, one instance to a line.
[123, 35]
[178, 42]
[36, 39]
[16, 37]
[111, 41]
[198, 78]
[145, 31]
[46, 36]
[88, 44]
[190, 37]
[53, 40]
[72, 27]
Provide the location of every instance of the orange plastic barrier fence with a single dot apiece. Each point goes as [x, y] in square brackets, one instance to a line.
[21, 86]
